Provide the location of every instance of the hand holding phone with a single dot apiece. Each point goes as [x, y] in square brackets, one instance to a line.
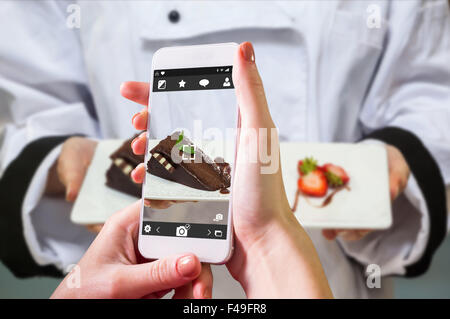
[266, 231]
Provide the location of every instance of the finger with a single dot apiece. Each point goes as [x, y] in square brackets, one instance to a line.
[125, 217]
[71, 172]
[139, 120]
[157, 204]
[138, 173]
[249, 89]
[394, 186]
[135, 91]
[184, 292]
[139, 143]
[202, 286]
[95, 228]
[353, 234]
[170, 272]
[329, 234]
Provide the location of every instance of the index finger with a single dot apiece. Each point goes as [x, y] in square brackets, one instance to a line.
[135, 91]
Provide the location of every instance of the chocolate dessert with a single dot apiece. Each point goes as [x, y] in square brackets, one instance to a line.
[123, 162]
[190, 166]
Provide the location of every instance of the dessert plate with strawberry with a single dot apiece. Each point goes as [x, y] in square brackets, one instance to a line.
[337, 185]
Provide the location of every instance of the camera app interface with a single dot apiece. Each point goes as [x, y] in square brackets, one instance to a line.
[190, 153]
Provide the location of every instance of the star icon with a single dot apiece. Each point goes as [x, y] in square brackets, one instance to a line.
[181, 83]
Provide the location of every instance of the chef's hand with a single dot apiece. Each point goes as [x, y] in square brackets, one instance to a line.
[112, 268]
[273, 256]
[67, 173]
[398, 179]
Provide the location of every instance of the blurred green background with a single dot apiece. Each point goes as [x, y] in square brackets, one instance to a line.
[434, 284]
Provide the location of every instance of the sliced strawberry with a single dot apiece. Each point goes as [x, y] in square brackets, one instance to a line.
[313, 184]
[335, 175]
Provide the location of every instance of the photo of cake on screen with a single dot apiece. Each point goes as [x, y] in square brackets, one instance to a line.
[177, 159]
[180, 169]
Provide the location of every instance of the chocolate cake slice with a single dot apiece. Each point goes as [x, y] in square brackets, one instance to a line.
[190, 167]
[123, 162]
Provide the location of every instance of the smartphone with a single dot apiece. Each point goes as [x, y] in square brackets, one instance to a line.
[190, 155]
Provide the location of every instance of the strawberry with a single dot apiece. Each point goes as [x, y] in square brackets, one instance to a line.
[313, 183]
[335, 175]
[306, 165]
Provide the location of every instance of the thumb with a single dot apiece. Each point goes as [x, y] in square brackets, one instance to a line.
[250, 94]
[167, 273]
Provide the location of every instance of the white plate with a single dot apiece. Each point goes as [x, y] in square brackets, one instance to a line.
[96, 202]
[366, 205]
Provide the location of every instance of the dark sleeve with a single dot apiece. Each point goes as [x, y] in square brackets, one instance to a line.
[14, 252]
[431, 183]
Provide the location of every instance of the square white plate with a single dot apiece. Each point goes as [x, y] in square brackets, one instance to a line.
[366, 205]
[96, 201]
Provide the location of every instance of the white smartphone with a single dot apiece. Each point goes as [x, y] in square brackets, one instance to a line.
[192, 131]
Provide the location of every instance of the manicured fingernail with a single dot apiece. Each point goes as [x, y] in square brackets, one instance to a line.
[132, 174]
[248, 52]
[133, 142]
[186, 266]
[134, 117]
[147, 203]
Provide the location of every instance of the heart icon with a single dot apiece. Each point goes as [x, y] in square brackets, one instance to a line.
[163, 72]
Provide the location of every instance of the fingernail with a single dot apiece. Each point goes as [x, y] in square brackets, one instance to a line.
[186, 266]
[132, 175]
[68, 194]
[248, 52]
[134, 116]
[147, 203]
[133, 141]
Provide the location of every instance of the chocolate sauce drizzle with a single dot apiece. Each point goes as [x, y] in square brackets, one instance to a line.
[326, 201]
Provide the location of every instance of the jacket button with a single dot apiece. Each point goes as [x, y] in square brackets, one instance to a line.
[174, 16]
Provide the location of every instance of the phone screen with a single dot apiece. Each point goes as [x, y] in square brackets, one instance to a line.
[190, 153]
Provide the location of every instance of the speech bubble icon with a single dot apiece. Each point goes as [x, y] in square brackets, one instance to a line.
[204, 82]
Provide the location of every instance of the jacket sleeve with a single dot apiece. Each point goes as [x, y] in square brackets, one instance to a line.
[44, 99]
[408, 106]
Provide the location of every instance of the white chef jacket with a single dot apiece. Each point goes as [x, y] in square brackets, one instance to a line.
[328, 77]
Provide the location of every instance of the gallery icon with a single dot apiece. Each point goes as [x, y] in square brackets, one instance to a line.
[162, 84]
[181, 83]
[218, 233]
[218, 218]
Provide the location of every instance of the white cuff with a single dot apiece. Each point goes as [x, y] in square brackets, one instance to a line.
[403, 243]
